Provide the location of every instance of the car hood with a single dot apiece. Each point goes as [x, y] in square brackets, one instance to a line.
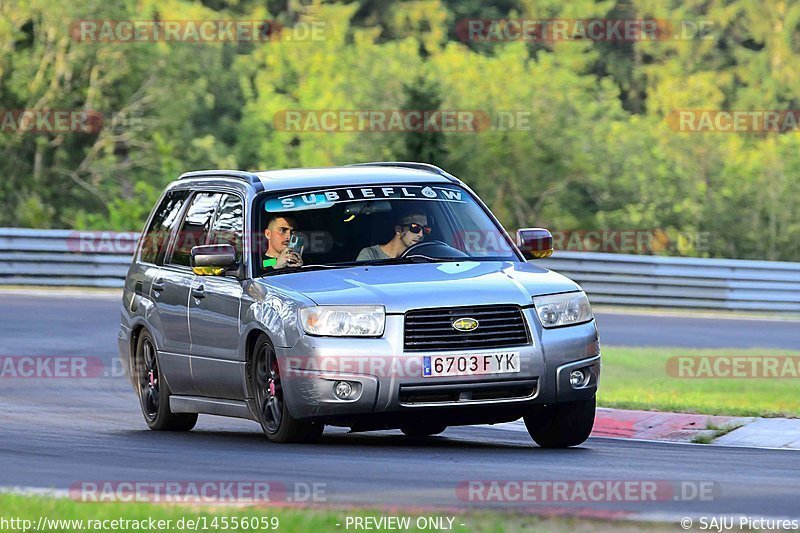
[412, 286]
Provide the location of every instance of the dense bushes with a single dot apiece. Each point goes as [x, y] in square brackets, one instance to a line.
[597, 151]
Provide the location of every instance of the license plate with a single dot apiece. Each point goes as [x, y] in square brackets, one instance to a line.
[469, 364]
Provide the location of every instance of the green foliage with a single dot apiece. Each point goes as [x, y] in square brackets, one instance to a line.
[424, 146]
[33, 213]
[594, 151]
[123, 213]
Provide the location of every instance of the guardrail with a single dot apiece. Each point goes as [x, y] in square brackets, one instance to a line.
[65, 257]
[687, 282]
[101, 259]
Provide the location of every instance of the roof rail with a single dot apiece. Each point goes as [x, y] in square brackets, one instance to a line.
[408, 164]
[248, 177]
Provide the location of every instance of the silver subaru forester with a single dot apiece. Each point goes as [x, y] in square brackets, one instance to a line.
[372, 296]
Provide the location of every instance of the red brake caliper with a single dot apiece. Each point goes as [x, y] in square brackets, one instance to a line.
[272, 381]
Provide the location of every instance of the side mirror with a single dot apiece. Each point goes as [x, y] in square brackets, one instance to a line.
[213, 260]
[535, 243]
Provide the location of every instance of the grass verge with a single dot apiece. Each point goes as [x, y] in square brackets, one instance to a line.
[638, 378]
[716, 432]
[33, 508]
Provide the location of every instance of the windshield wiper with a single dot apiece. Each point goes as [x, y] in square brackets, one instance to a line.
[414, 259]
[304, 268]
[407, 260]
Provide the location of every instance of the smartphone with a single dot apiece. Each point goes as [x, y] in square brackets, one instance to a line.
[296, 244]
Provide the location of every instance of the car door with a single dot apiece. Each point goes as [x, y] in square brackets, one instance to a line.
[214, 307]
[172, 288]
[146, 268]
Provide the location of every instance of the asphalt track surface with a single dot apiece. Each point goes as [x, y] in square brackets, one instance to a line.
[55, 433]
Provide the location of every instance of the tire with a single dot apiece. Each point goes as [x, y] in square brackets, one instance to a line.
[561, 425]
[154, 392]
[272, 411]
[423, 430]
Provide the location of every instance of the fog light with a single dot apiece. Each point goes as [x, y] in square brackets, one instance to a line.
[342, 389]
[577, 378]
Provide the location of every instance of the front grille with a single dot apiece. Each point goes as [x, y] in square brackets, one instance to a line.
[467, 392]
[432, 329]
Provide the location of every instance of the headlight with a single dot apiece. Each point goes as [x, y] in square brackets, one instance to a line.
[343, 320]
[563, 309]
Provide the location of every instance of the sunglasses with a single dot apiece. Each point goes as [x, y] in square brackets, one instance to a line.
[416, 228]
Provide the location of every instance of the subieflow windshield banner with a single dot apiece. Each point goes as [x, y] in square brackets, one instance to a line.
[328, 197]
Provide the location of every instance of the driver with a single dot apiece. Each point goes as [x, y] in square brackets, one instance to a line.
[409, 230]
[279, 255]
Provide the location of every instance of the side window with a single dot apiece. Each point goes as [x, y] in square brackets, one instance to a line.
[195, 227]
[228, 225]
[154, 242]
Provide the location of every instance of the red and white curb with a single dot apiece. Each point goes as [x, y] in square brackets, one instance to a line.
[781, 433]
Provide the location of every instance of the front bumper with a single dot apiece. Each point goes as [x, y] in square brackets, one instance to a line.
[388, 384]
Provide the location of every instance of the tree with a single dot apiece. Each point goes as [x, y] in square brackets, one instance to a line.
[425, 146]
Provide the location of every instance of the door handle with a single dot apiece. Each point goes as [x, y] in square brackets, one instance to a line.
[158, 285]
[199, 292]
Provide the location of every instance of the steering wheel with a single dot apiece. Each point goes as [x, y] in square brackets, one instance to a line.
[414, 249]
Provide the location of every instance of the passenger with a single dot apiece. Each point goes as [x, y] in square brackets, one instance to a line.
[279, 230]
[409, 230]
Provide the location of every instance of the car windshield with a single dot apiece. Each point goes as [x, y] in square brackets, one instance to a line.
[382, 224]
